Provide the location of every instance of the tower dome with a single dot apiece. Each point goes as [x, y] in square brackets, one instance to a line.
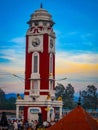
[41, 15]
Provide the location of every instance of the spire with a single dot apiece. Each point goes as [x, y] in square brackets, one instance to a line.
[41, 5]
[79, 101]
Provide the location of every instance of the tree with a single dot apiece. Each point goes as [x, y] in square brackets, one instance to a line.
[2, 99]
[7, 103]
[89, 97]
[3, 121]
[11, 103]
[60, 90]
[67, 95]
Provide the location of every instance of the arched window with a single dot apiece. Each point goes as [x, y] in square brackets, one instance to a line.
[51, 64]
[35, 62]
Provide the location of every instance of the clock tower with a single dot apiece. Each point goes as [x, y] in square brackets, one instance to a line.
[39, 96]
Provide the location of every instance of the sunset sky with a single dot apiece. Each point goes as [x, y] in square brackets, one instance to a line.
[76, 41]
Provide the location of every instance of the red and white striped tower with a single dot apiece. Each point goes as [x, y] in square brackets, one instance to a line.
[39, 94]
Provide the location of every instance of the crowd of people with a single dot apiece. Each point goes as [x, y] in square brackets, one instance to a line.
[21, 125]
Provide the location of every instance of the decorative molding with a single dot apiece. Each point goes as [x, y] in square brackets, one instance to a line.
[26, 90]
[39, 103]
[44, 90]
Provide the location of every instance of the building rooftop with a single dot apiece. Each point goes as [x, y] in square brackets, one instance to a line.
[77, 119]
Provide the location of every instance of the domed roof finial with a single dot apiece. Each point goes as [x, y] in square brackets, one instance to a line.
[41, 5]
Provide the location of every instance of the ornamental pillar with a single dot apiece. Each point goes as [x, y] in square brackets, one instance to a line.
[48, 113]
[60, 112]
[17, 112]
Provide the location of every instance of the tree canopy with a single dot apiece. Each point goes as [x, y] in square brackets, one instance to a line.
[67, 94]
[90, 97]
[7, 103]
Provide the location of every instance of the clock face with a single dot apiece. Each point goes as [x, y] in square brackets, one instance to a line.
[36, 42]
[51, 43]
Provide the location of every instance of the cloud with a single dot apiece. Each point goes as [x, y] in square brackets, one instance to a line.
[78, 81]
[11, 84]
[73, 33]
[77, 57]
[77, 64]
[76, 41]
[87, 35]
[7, 54]
[12, 87]
[12, 62]
[13, 55]
[18, 40]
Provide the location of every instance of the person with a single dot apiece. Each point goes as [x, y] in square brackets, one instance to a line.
[15, 125]
[11, 126]
[32, 124]
[26, 125]
[45, 124]
[35, 124]
[4, 121]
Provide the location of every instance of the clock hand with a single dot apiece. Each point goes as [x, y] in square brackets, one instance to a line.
[35, 43]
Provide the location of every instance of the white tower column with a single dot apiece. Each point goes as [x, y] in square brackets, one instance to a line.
[60, 112]
[17, 111]
[48, 113]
